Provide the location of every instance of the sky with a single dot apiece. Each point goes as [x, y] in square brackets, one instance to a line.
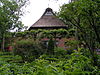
[36, 8]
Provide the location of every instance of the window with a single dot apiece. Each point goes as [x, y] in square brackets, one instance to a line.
[48, 13]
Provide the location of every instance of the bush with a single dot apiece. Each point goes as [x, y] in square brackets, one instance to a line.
[28, 49]
[78, 64]
[60, 51]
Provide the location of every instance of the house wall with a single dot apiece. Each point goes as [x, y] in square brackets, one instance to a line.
[59, 42]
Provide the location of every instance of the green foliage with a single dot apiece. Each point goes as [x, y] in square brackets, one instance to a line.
[75, 64]
[10, 12]
[84, 15]
[60, 53]
[28, 49]
[41, 33]
[8, 57]
[55, 33]
[72, 44]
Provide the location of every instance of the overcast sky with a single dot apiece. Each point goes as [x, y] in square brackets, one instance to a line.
[37, 7]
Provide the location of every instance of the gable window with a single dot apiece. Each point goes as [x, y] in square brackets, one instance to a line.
[48, 13]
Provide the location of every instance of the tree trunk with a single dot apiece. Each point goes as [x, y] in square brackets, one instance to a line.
[3, 43]
[94, 58]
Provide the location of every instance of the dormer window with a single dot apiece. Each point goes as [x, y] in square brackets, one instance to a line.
[48, 13]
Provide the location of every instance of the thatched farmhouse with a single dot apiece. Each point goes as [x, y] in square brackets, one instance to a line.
[50, 21]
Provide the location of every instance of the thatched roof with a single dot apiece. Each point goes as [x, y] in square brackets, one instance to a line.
[48, 20]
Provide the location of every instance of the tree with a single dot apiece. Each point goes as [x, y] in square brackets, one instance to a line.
[51, 46]
[10, 12]
[85, 15]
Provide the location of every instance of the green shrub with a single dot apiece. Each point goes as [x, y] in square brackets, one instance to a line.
[28, 49]
[60, 52]
[49, 65]
[72, 44]
[9, 57]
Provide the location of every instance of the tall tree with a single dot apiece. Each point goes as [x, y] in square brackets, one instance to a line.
[10, 12]
[85, 15]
